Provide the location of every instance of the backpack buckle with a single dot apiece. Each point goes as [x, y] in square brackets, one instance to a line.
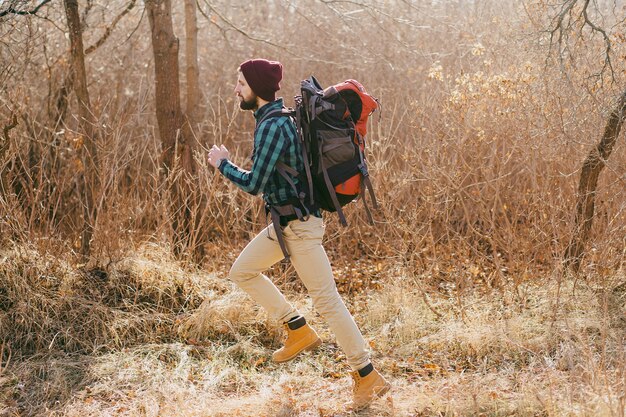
[363, 170]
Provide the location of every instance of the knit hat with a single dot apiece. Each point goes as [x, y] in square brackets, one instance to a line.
[263, 77]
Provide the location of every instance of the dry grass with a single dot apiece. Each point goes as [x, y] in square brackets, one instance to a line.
[459, 287]
[496, 358]
[476, 152]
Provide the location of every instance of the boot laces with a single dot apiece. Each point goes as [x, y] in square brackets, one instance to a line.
[287, 333]
[357, 382]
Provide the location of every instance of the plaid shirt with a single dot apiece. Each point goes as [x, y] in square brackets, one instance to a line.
[275, 139]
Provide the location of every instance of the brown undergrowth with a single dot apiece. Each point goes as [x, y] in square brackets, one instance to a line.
[458, 287]
[153, 338]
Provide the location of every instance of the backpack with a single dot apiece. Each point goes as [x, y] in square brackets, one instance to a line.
[331, 125]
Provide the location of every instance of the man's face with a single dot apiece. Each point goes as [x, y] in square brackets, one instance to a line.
[247, 98]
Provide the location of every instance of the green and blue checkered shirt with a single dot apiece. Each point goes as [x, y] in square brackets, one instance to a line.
[275, 139]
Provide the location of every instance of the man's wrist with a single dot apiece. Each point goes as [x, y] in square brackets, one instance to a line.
[220, 162]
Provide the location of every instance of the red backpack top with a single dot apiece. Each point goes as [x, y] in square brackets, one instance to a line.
[359, 107]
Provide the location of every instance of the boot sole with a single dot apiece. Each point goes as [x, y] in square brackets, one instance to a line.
[310, 347]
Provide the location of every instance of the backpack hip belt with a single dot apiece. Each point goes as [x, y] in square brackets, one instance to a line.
[285, 211]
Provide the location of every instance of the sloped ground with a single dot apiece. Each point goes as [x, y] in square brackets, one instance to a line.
[145, 337]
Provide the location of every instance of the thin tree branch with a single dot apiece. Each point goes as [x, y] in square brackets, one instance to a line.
[12, 10]
[563, 22]
[143, 11]
[607, 41]
[243, 32]
[559, 26]
[86, 13]
[212, 21]
[110, 28]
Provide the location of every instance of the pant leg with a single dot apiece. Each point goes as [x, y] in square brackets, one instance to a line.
[261, 253]
[304, 243]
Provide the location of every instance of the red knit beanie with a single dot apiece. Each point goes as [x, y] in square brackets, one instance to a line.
[263, 77]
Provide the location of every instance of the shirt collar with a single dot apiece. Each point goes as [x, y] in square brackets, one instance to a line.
[273, 105]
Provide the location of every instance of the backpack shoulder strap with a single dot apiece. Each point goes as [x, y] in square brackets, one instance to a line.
[277, 113]
[288, 173]
[284, 170]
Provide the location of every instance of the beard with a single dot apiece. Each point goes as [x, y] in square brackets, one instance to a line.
[248, 104]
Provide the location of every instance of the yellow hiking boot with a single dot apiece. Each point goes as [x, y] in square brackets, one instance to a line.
[367, 388]
[300, 337]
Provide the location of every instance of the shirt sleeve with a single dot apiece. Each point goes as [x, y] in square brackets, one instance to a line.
[270, 142]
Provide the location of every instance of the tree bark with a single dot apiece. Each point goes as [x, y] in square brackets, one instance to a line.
[167, 89]
[174, 133]
[592, 167]
[87, 182]
[191, 57]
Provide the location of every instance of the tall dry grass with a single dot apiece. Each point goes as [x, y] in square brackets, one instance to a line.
[144, 351]
[475, 158]
[479, 145]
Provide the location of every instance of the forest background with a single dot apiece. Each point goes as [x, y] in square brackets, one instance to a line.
[491, 284]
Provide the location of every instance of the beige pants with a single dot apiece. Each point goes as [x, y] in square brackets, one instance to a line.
[304, 244]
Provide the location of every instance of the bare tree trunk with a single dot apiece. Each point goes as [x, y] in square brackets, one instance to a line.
[197, 199]
[191, 57]
[593, 165]
[87, 182]
[175, 135]
[167, 89]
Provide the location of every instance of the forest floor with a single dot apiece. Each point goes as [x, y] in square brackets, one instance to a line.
[543, 350]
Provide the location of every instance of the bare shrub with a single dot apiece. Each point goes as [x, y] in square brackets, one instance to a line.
[475, 158]
[48, 305]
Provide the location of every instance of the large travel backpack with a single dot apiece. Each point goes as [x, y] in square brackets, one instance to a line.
[331, 124]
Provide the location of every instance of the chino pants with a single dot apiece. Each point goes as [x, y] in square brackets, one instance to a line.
[304, 244]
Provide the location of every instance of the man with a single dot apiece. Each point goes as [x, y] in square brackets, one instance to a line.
[276, 144]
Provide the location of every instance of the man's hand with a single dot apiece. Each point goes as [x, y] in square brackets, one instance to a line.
[217, 154]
